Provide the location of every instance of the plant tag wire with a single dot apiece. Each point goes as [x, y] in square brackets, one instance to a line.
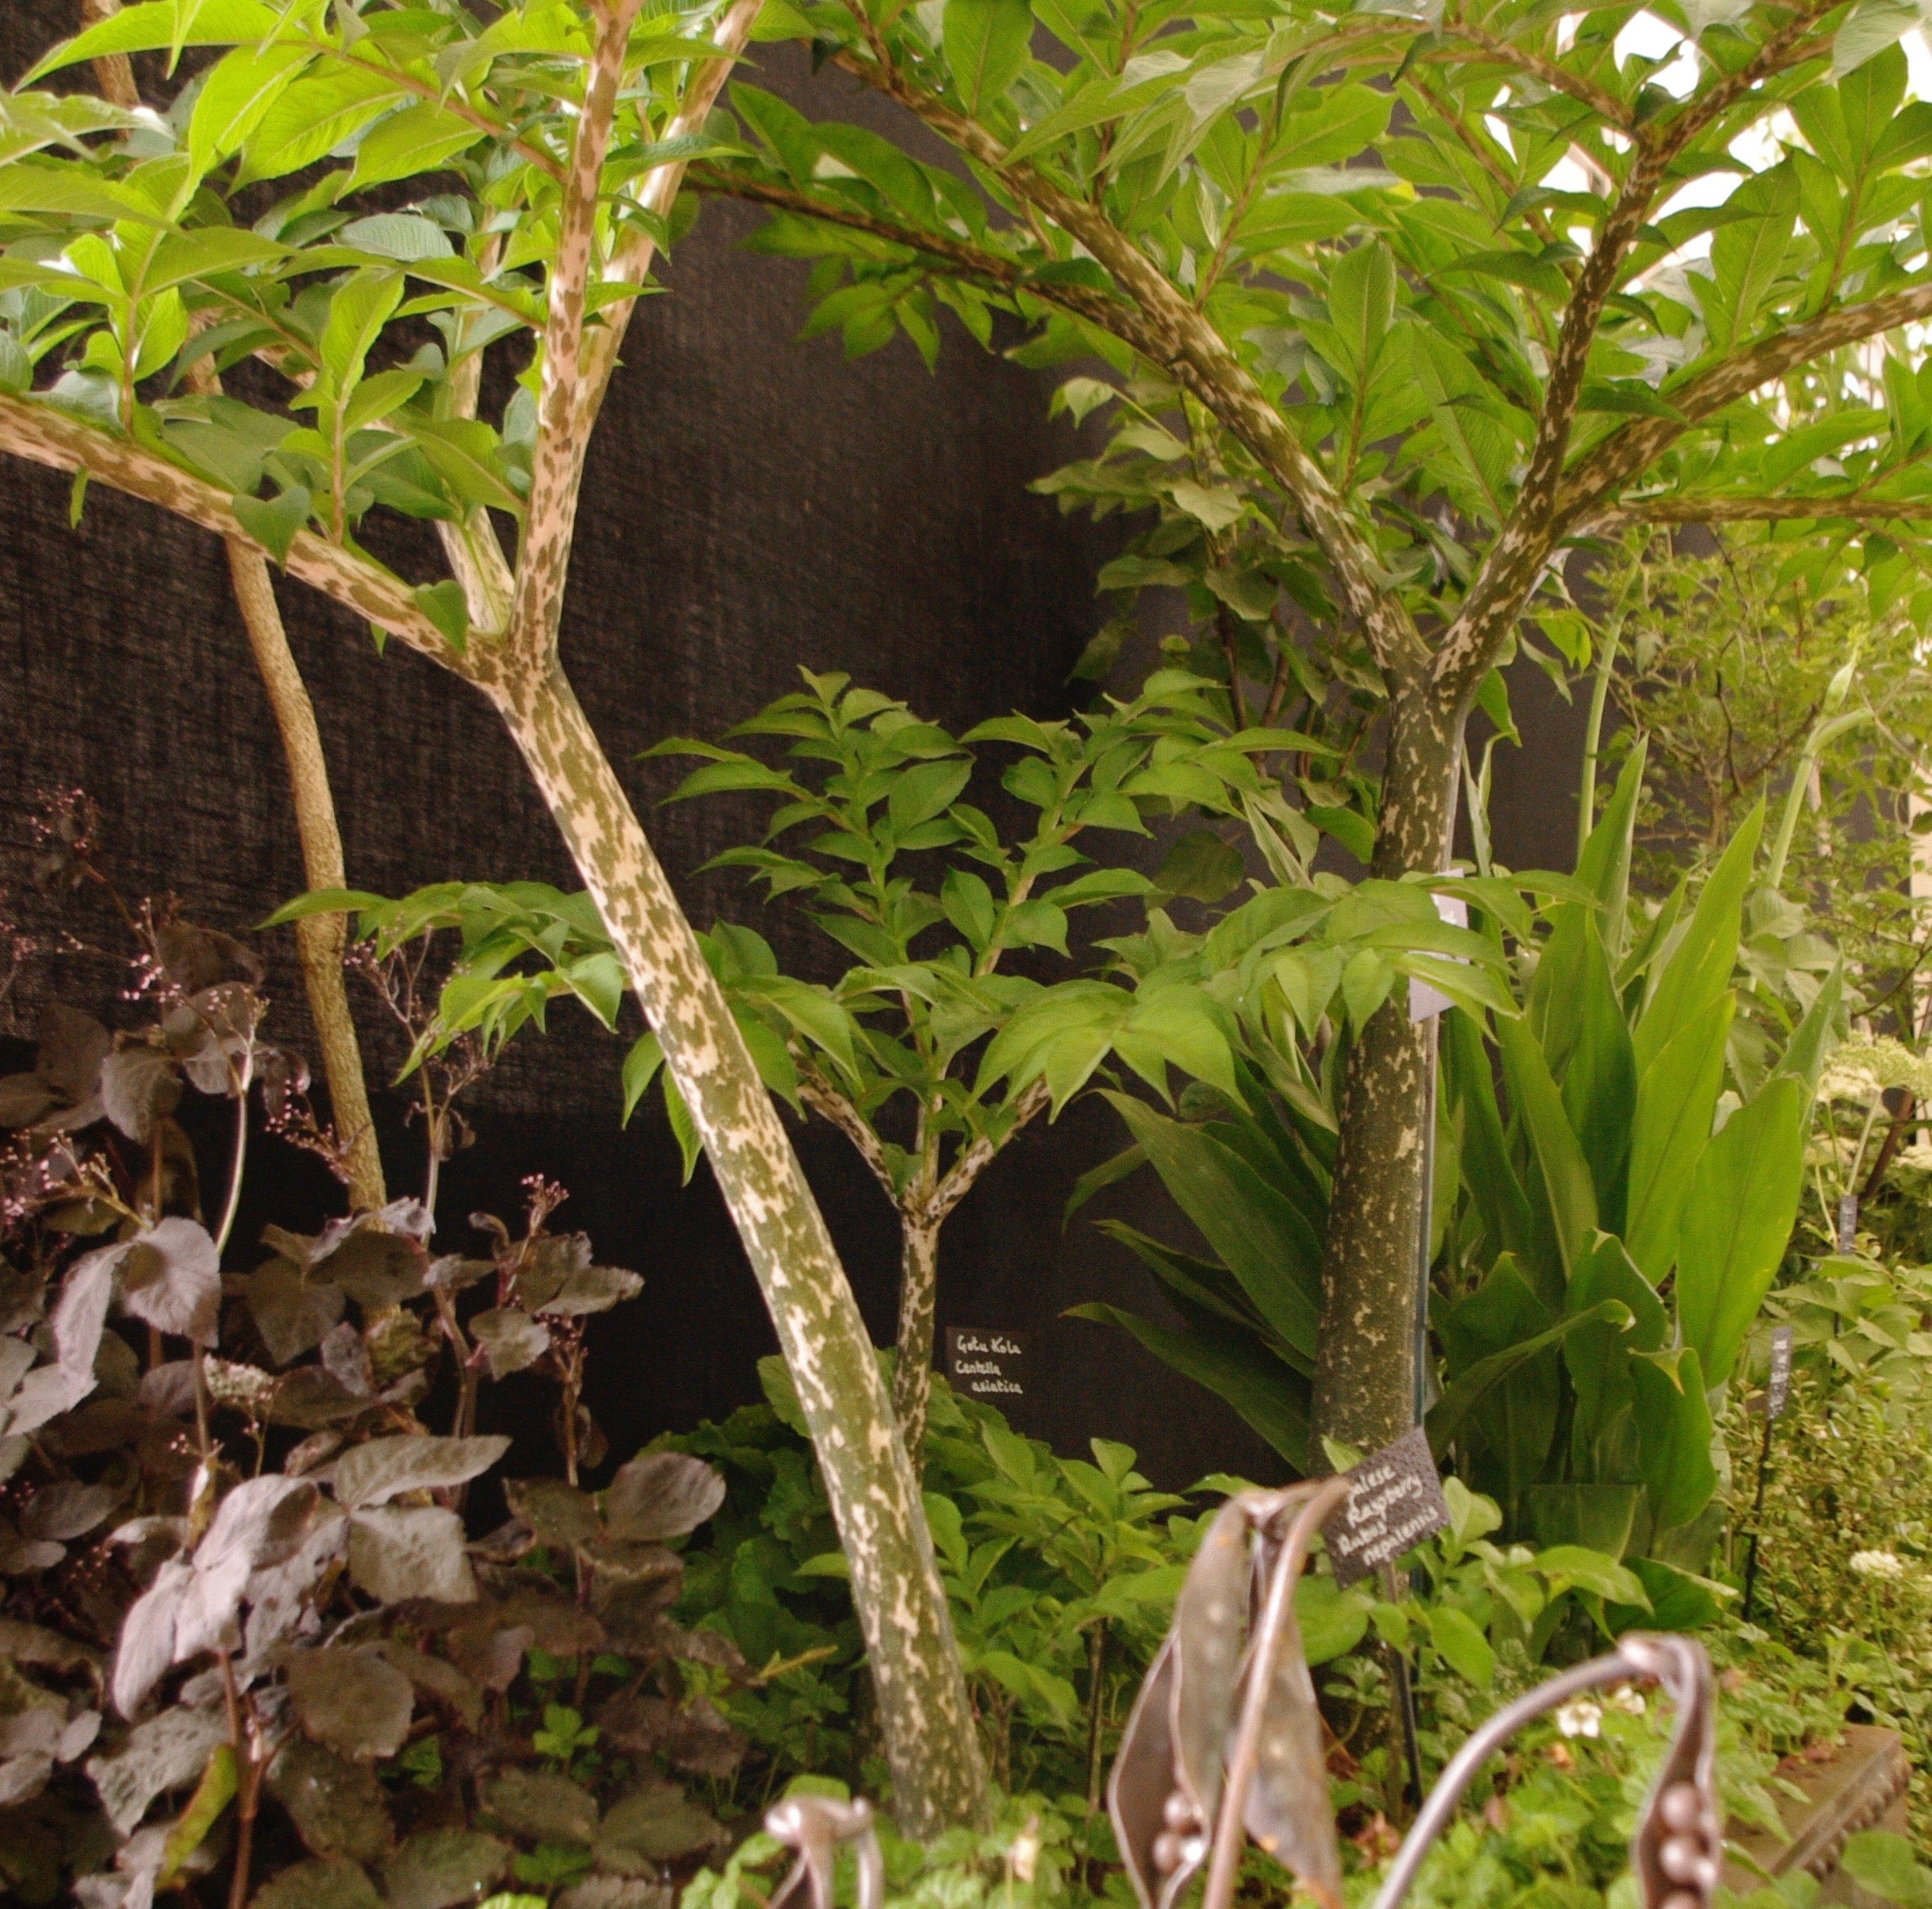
[1778, 1395]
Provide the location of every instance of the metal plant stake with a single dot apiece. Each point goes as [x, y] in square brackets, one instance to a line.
[1226, 1733]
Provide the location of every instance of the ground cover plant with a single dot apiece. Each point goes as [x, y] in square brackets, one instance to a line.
[238, 1580]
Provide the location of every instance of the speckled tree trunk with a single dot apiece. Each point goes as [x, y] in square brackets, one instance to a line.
[1365, 1372]
[918, 1301]
[931, 1740]
[321, 940]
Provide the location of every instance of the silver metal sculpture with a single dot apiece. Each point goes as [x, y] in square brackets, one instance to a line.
[1226, 1733]
[814, 1826]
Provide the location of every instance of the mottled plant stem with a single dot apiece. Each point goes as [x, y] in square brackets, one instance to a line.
[1096, 1713]
[918, 1301]
[938, 1777]
[321, 940]
[1365, 1362]
[938, 1773]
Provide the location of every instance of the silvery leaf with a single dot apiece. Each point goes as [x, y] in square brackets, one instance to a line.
[162, 1754]
[511, 1339]
[171, 1276]
[661, 1494]
[372, 1474]
[397, 1552]
[442, 1868]
[354, 1701]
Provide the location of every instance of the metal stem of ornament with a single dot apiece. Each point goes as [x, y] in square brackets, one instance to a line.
[1276, 1619]
[1678, 1840]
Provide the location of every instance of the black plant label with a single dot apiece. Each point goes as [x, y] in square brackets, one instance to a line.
[986, 1363]
[1397, 1502]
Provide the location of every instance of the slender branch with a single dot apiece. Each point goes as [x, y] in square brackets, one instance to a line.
[544, 561]
[1186, 343]
[43, 436]
[1549, 73]
[961, 259]
[1633, 446]
[657, 194]
[319, 939]
[1514, 561]
[823, 1097]
[978, 1157]
[114, 72]
[1756, 510]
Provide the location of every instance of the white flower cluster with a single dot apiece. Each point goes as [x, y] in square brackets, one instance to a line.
[1860, 1069]
[1580, 1717]
[1882, 1564]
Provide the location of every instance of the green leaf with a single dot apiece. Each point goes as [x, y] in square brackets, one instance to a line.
[1598, 1357]
[405, 236]
[926, 791]
[1269, 1247]
[1576, 1568]
[157, 24]
[357, 314]
[443, 604]
[1747, 254]
[1738, 1223]
[1463, 1647]
[273, 524]
[1332, 1621]
[640, 1069]
[1350, 827]
[1263, 1390]
[1488, 1171]
[683, 1129]
[987, 44]
[1804, 1057]
[1598, 1517]
[1604, 866]
[1565, 1174]
[466, 454]
[1885, 1863]
[1700, 971]
[1471, 1388]
[1579, 1020]
[1868, 29]
[325, 901]
[1200, 866]
[1673, 1426]
[421, 138]
[1677, 1101]
[235, 96]
[315, 115]
[813, 1012]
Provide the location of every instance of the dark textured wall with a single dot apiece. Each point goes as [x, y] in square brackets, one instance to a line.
[752, 504]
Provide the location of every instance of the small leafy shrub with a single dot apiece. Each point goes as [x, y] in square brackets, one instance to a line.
[1845, 1549]
[245, 1636]
[1062, 1575]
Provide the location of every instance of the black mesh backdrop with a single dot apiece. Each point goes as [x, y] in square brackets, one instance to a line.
[751, 504]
